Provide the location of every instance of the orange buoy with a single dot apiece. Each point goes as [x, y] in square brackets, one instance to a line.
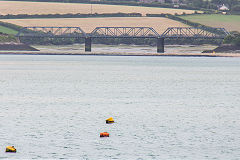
[104, 134]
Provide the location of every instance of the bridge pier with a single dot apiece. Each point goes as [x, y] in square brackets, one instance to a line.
[160, 45]
[88, 44]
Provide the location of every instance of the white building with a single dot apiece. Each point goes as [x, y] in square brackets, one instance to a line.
[223, 8]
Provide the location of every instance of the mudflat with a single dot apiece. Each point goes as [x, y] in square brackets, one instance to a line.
[122, 54]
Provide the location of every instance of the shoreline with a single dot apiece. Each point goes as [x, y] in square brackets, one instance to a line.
[122, 54]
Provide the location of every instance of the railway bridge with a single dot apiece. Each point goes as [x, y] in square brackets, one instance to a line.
[123, 32]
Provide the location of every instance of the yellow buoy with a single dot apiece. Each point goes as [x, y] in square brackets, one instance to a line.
[110, 120]
[10, 149]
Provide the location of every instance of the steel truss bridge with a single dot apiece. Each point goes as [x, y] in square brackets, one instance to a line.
[123, 32]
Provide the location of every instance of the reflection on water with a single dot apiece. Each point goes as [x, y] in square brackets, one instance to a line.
[164, 107]
[127, 48]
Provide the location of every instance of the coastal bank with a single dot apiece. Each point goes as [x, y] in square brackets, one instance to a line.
[120, 54]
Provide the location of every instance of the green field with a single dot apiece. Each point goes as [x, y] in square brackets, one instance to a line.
[7, 30]
[229, 22]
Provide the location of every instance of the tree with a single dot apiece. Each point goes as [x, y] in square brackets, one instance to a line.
[233, 38]
[236, 8]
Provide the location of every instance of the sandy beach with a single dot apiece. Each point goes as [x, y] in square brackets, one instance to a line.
[122, 54]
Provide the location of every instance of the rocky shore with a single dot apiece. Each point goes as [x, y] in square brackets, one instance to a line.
[224, 49]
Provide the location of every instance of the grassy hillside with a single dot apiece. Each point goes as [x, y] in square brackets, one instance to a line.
[229, 22]
[160, 24]
[7, 38]
[20, 7]
[7, 30]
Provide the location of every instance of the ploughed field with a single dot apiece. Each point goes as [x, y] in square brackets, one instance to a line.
[229, 22]
[16, 7]
[160, 24]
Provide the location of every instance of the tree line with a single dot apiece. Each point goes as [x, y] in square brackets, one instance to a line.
[69, 15]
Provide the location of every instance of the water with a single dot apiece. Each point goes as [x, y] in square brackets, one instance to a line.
[164, 107]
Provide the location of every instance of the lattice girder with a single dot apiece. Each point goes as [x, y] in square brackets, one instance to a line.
[194, 32]
[124, 32]
[51, 32]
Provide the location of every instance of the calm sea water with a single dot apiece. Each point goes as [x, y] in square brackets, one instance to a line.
[54, 107]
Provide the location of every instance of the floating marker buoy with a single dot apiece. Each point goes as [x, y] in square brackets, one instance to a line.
[110, 120]
[10, 149]
[104, 134]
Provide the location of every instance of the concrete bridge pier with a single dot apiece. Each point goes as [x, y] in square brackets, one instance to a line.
[88, 44]
[160, 45]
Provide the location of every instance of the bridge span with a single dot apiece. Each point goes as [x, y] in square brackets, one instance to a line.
[123, 32]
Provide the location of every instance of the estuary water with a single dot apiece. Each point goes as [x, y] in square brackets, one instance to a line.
[54, 107]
